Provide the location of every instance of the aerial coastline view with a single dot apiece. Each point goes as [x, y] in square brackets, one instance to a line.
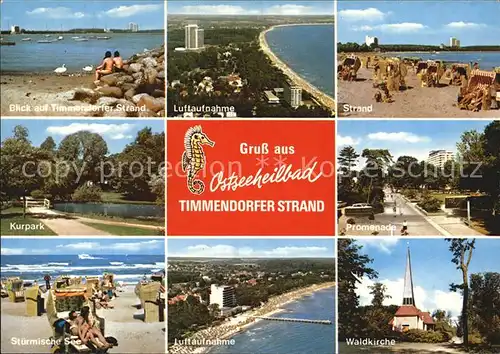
[251, 295]
[394, 62]
[46, 282]
[249, 60]
[82, 58]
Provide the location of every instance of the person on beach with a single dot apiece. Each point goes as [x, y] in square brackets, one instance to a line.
[73, 328]
[117, 62]
[47, 281]
[105, 68]
[88, 331]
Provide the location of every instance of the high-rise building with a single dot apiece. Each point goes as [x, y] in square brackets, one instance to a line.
[369, 40]
[15, 29]
[224, 296]
[201, 38]
[408, 316]
[454, 42]
[439, 158]
[133, 27]
[292, 94]
[191, 36]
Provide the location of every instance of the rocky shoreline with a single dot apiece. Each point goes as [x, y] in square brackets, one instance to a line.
[138, 91]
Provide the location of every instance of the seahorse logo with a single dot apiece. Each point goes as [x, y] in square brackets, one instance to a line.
[193, 157]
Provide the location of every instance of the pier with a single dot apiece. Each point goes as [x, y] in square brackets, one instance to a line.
[287, 319]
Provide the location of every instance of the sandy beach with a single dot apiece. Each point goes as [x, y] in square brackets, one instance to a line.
[124, 322]
[38, 90]
[320, 96]
[415, 102]
[242, 321]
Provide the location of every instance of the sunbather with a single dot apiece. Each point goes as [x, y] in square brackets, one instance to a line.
[92, 333]
[105, 68]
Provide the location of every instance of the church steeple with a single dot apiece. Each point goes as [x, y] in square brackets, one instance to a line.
[408, 296]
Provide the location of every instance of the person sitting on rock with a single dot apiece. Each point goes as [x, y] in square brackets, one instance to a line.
[117, 62]
[105, 68]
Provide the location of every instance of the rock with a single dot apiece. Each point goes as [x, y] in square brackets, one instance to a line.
[146, 113]
[107, 101]
[127, 86]
[149, 62]
[124, 80]
[138, 75]
[110, 79]
[85, 95]
[150, 75]
[151, 103]
[111, 91]
[158, 93]
[138, 97]
[129, 94]
[135, 67]
[115, 113]
[161, 75]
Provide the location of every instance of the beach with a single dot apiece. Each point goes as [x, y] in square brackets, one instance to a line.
[122, 322]
[320, 96]
[243, 321]
[37, 90]
[415, 102]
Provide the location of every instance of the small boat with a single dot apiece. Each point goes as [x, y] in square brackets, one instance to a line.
[2, 42]
[26, 39]
[60, 38]
[45, 41]
[103, 38]
[47, 35]
[82, 40]
[75, 37]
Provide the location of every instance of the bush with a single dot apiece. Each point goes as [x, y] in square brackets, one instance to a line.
[420, 336]
[430, 204]
[87, 193]
[37, 194]
[410, 193]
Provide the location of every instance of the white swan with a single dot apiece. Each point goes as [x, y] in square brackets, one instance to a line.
[88, 68]
[61, 69]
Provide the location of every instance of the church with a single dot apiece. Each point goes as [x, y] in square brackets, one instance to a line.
[408, 316]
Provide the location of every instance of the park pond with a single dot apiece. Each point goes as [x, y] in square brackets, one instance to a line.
[113, 209]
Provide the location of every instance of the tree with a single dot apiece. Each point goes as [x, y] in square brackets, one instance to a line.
[462, 250]
[377, 162]
[485, 305]
[378, 290]
[347, 159]
[21, 133]
[48, 145]
[471, 147]
[491, 146]
[352, 266]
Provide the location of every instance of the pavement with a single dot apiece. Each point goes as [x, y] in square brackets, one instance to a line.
[389, 223]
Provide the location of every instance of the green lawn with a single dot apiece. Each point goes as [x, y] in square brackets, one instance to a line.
[442, 196]
[113, 197]
[15, 215]
[120, 230]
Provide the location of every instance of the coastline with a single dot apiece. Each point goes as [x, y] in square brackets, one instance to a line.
[320, 96]
[242, 321]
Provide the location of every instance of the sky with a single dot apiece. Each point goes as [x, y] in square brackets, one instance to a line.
[116, 133]
[74, 246]
[54, 15]
[420, 22]
[290, 7]
[432, 270]
[252, 247]
[404, 137]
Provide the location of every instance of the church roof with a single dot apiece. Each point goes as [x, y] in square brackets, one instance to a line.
[410, 311]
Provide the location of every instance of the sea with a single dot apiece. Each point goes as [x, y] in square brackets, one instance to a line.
[486, 60]
[307, 50]
[272, 337]
[30, 56]
[128, 269]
